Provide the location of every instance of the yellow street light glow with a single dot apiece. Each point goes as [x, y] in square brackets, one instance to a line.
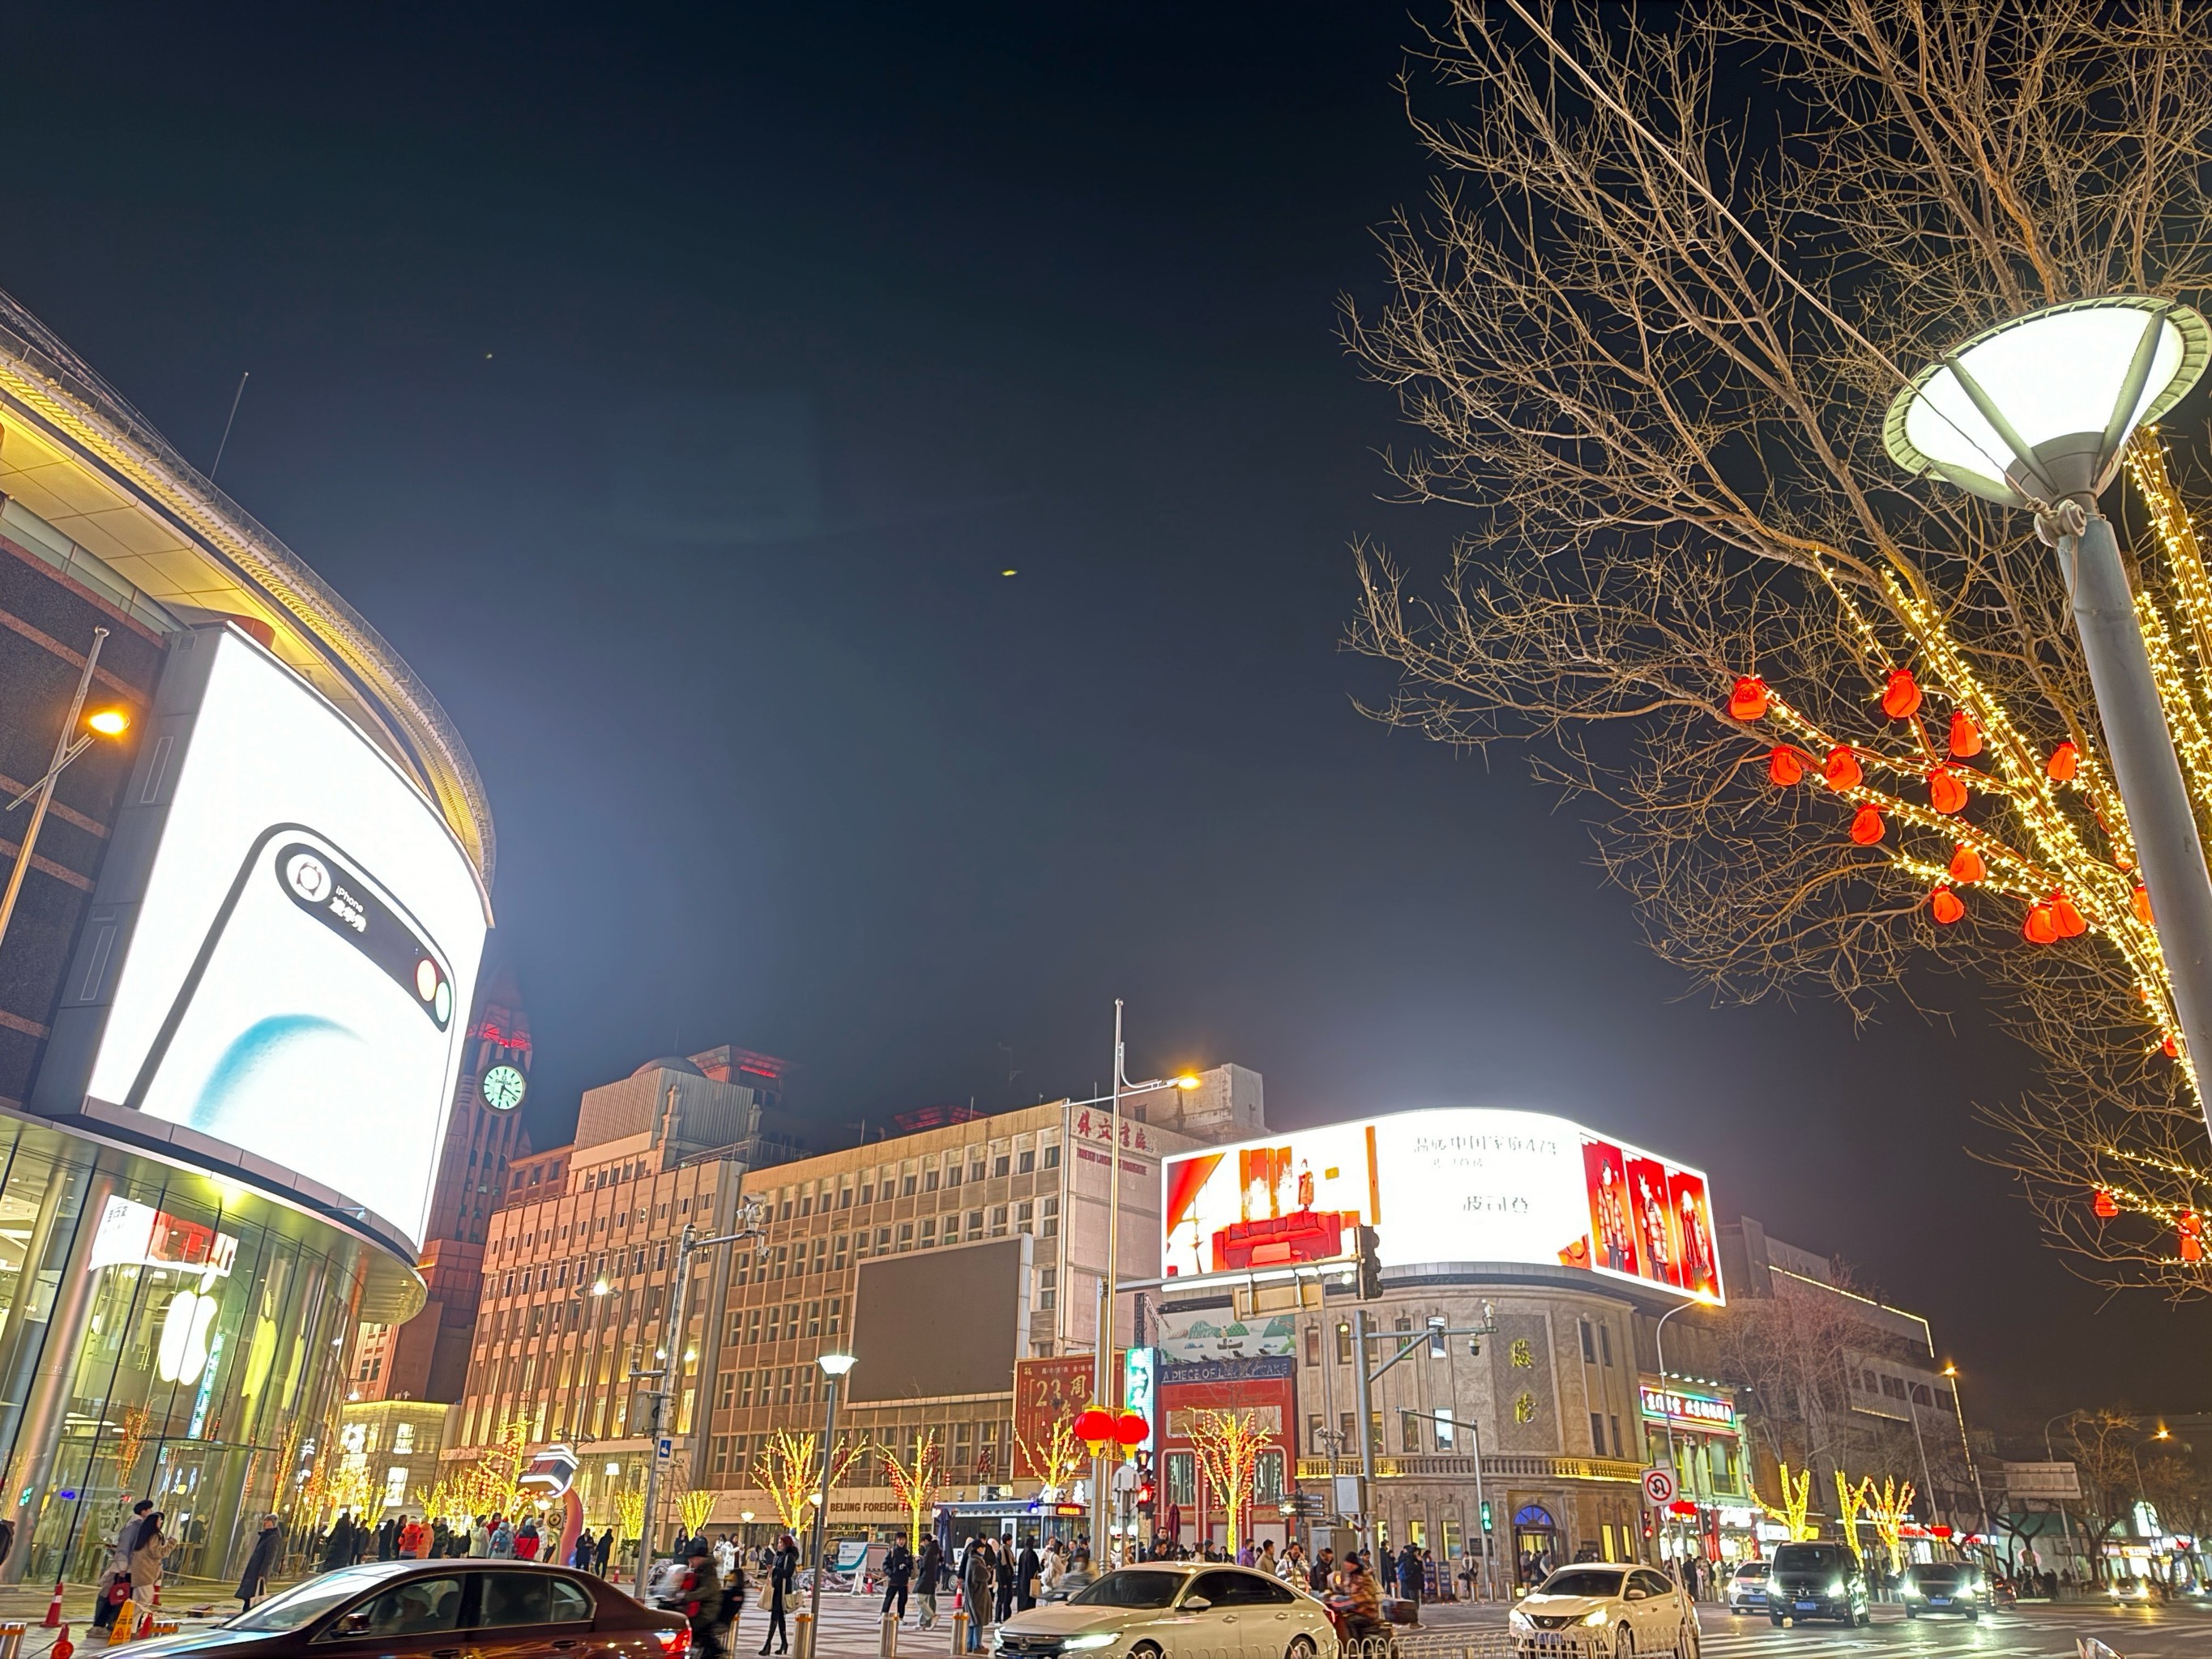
[1186, 1081]
[1950, 1370]
[109, 722]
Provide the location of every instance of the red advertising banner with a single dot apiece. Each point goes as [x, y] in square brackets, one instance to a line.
[1046, 1393]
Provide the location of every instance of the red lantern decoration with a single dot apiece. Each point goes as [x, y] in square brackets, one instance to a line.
[2105, 1206]
[1966, 736]
[1094, 1427]
[1748, 701]
[2191, 1233]
[2064, 761]
[2065, 918]
[1867, 825]
[1900, 698]
[1947, 790]
[2039, 928]
[1842, 770]
[1946, 906]
[2171, 1049]
[1784, 767]
[1966, 867]
[1130, 1429]
[2141, 899]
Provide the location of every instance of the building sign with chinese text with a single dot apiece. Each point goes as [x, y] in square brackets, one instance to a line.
[1704, 1411]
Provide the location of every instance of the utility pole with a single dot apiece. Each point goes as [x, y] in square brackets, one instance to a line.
[671, 1362]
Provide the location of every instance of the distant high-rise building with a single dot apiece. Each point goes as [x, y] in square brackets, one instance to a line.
[427, 1358]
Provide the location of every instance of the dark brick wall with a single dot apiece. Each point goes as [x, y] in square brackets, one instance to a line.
[45, 628]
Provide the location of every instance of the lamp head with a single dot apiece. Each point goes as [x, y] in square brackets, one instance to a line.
[1188, 1080]
[109, 722]
[835, 1365]
[2039, 408]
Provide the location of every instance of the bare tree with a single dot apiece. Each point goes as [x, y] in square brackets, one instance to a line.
[1834, 723]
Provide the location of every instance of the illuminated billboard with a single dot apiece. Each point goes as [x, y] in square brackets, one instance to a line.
[1469, 1184]
[283, 949]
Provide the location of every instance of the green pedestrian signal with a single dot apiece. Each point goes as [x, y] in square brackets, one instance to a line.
[1485, 1514]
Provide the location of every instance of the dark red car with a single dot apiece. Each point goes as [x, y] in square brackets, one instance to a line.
[442, 1610]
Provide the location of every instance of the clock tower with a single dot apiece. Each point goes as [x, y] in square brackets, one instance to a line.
[427, 1358]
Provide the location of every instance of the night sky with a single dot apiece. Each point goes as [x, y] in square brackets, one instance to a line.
[672, 392]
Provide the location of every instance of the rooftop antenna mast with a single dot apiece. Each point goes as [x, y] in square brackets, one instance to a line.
[228, 424]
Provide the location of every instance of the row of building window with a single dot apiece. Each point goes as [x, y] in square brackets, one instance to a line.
[909, 1180]
[833, 1253]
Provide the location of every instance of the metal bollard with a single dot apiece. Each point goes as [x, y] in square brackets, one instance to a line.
[12, 1640]
[959, 1625]
[886, 1644]
[802, 1634]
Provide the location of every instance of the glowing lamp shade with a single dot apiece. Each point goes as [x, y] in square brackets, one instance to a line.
[109, 722]
[2040, 407]
[836, 1364]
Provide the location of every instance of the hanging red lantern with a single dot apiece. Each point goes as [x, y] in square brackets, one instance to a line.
[1783, 767]
[1866, 825]
[2064, 761]
[2141, 899]
[1094, 1427]
[2169, 1049]
[1900, 698]
[1748, 701]
[1946, 905]
[1842, 770]
[1966, 736]
[1130, 1430]
[2105, 1206]
[2190, 1231]
[2065, 918]
[2039, 928]
[1946, 790]
[1966, 867]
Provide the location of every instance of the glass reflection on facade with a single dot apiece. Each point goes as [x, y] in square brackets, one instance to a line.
[163, 1333]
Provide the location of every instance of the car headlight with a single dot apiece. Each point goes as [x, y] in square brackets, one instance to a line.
[1597, 1618]
[1836, 1587]
[1099, 1638]
[1908, 1590]
[1517, 1620]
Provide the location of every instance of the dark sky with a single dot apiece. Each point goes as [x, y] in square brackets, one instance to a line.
[672, 391]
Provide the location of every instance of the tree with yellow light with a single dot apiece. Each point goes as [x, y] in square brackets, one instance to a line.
[1889, 1506]
[1227, 1445]
[788, 1468]
[1796, 1503]
[1834, 723]
[1055, 1457]
[1849, 1501]
[915, 1481]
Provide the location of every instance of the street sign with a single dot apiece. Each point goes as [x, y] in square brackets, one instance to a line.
[2058, 1481]
[1658, 1485]
[664, 1448]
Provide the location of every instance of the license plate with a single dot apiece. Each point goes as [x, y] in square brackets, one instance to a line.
[1939, 1601]
[1807, 1607]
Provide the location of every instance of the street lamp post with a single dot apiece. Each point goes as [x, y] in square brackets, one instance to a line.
[107, 723]
[1958, 1409]
[1673, 1460]
[1102, 1355]
[672, 1359]
[834, 1368]
[2065, 1520]
[2034, 414]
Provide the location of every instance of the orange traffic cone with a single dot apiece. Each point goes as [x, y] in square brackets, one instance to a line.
[63, 1647]
[54, 1607]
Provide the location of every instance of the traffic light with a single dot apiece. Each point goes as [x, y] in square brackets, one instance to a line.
[1370, 1264]
[1143, 1497]
[1485, 1512]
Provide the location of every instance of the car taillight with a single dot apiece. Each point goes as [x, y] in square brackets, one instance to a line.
[674, 1644]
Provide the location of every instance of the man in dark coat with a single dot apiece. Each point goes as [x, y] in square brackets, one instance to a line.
[982, 1572]
[337, 1549]
[259, 1564]
[1025, 1576]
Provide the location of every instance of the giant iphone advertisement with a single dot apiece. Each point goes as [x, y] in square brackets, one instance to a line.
[297, 975]
[1473, 1184]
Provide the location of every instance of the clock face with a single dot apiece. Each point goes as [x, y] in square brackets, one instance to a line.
[502, 1088]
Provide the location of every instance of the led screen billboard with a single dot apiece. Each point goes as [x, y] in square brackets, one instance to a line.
[292, 965]
[1467, 1184]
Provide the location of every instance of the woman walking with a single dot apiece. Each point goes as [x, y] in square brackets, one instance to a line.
[259, 1564]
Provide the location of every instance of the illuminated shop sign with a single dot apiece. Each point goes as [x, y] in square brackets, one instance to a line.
[1709, 1411]
[131, 1234]
[1472, 1184]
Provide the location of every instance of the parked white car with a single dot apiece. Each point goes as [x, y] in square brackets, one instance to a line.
[1621, 1610]
[1166, 1609]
